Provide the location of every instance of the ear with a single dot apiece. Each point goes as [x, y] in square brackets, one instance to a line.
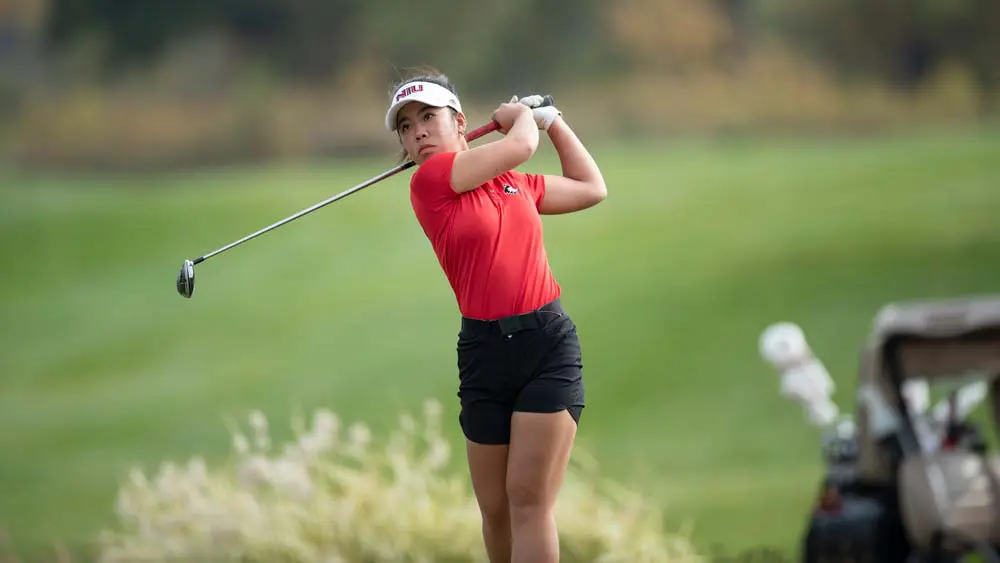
[460, 123]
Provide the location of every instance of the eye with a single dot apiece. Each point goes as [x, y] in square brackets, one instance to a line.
[428, 115]
[404, 128]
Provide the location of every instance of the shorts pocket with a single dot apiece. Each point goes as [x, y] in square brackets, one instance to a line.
[469, 346]
[475, 359]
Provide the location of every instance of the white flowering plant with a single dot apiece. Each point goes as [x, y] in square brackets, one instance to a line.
[331, 495]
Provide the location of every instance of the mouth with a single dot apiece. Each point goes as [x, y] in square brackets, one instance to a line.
[424, 148]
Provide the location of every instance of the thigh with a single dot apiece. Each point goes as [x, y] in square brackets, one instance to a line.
[488, 470]
[539, 452]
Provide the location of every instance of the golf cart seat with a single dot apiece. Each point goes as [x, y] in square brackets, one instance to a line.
[942, 493]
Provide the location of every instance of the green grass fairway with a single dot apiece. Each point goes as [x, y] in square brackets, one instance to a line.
[671, 280]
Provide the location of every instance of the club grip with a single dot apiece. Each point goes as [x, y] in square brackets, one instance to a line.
[483, 130]
[547, 100]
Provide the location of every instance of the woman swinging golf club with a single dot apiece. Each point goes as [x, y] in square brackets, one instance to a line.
[520, 368]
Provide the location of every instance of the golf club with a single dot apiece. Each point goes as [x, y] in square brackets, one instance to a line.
[185, 278]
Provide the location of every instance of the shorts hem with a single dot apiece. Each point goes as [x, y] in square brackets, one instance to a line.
[575, 411]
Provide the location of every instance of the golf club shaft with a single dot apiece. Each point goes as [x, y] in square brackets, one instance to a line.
[470, 136]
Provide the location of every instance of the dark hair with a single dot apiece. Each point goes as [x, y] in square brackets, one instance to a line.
[423, 74]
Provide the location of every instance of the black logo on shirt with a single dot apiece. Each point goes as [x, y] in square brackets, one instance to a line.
[509, 189]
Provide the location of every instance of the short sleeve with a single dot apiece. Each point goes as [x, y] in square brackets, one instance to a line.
[430, 185]
[536, 185]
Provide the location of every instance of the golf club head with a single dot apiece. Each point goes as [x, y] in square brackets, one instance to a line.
[185, 279]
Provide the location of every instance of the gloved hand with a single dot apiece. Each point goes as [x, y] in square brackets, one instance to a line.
[533, 101]
[544, 115]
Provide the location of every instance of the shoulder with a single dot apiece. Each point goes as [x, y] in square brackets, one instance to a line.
[431, 184]
[434, 170]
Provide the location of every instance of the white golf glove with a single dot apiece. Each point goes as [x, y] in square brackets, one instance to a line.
[532, 101]
[544, 115]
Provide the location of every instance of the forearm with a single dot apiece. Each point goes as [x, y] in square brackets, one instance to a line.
[524, 132]
[576, 161]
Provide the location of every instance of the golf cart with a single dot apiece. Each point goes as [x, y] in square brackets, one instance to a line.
[904, 483]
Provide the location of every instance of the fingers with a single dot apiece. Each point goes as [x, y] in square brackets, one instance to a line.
[533, 101]
[542, 109]
[507, 113]
[512, 107]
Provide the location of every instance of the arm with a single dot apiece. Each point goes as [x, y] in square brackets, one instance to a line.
[480, 164]
[581, 184]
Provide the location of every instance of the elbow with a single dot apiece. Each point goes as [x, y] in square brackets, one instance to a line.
[522, 149]
[595, 193]
[528, 147]
[602, 191]
[599, 191]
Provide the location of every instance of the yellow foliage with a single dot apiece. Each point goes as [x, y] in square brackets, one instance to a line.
[662, 34]
[333, 494]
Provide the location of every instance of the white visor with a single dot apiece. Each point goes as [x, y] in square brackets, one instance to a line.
[426, 92]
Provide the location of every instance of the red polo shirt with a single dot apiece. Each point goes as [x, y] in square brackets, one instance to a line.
[488, 240]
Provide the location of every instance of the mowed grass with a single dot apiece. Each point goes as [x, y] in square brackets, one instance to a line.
[671, 280]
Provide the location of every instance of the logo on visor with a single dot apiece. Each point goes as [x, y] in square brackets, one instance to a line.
[409, 90]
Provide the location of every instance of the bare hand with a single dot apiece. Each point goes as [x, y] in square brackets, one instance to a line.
[508, 113]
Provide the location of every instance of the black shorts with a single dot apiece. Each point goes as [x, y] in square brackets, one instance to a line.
[529, 363]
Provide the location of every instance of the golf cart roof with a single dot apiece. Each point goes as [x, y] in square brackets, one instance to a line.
[938, 338]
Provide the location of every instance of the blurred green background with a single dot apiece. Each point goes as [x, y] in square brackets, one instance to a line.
[766, 160]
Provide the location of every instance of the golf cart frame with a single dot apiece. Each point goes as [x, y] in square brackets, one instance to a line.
[905, 501]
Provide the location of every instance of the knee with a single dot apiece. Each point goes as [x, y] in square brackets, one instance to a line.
[495, 512]
[525, 496]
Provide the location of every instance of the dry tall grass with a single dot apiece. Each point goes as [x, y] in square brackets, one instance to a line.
[335, 495]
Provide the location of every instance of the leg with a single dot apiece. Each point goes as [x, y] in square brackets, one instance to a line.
[543, 428]
[488, 468]
[537, 459]
[485, 421]
[486, 425]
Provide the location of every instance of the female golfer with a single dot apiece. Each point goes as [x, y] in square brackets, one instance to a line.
[519, 361]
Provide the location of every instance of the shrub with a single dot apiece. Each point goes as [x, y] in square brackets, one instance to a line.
[332, 495]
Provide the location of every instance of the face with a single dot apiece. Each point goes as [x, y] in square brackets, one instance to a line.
[426, 130]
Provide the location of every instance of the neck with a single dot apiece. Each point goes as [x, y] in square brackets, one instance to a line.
[458, 145]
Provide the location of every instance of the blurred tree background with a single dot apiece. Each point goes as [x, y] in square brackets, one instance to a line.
[152, 83]
[700, 246]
